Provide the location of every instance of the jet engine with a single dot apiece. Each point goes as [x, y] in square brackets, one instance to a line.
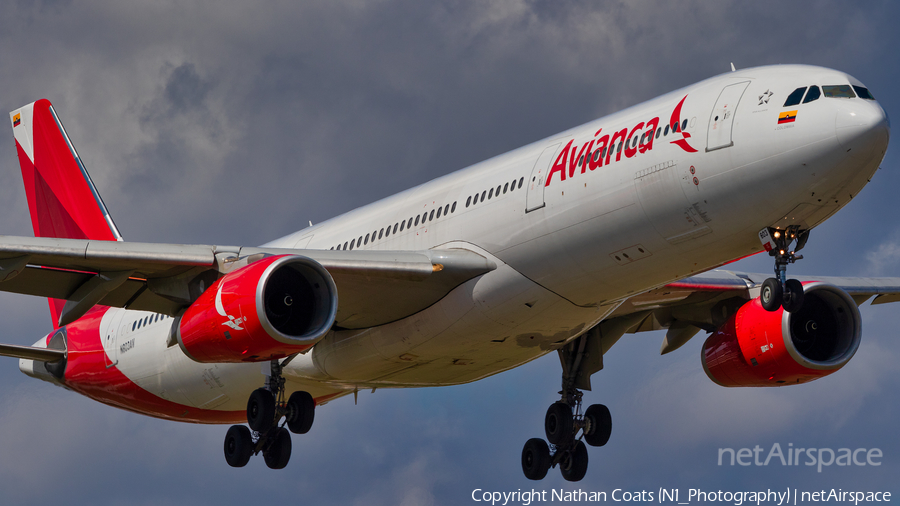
[269, 309]
[758, 348]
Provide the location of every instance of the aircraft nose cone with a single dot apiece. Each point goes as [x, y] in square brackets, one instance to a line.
[862, 128]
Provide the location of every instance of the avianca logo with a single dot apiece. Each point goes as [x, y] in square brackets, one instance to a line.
[232, 322]
[598, 151]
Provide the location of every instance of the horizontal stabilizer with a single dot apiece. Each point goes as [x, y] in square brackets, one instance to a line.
[32, 353]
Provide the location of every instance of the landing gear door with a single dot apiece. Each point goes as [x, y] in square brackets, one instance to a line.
[722, 117]
[534, 198]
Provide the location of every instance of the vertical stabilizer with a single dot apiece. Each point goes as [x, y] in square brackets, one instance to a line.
[62, 199]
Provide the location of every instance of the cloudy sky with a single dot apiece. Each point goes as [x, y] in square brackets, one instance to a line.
[235, 123]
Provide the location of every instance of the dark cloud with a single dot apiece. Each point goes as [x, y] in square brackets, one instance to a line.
[232, 123]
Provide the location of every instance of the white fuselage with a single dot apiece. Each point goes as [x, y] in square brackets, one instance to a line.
[669, 205]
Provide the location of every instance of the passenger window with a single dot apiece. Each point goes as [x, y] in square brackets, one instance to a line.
[424, 215]
[490, 194]
[453, 209]
[795, 97]
[439, 211]
[446, 209]
[838, 91]
[402, 225]
[395, 228]
[684, 124]
[512, 186]
[431, 216]
[521, 180]
[345, 246]
[146, 319]
[863, 93]
[658, 131]
[380, 233]
[468, 201]
[367, 239]
[812, 94]
[596, 155]
[505, 187]
[417, 220]
[483, 195]
[619, 149]
[497, 193]
[359, 242]
[133, 326]
[352, 243]
[667, 130]
[476, 199]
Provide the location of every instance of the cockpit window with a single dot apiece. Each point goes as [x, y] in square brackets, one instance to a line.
[812, 94]
[795, 97]
[863, 93]
[838, 91]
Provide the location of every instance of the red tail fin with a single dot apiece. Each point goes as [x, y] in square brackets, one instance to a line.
[61, 196]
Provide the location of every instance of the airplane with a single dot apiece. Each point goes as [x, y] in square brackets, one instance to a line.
[617, 226]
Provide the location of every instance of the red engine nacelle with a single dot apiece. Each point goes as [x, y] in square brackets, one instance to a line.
[759, 348]
[269, 309]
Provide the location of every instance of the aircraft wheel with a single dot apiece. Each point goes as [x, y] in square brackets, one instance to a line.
[238, 446]
[599, 425]
[558, 423]
[793, 299]
[535, 459]
[770, 295]
[278, 453]
[261, 410]
[302, 411]
[574, 463]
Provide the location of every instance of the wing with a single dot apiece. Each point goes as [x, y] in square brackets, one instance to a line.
[708, 300]
[375, 287]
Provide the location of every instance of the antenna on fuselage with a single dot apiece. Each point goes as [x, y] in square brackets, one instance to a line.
[732, 67]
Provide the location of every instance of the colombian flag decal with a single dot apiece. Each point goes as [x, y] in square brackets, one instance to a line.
[787, 117]
[17, 119]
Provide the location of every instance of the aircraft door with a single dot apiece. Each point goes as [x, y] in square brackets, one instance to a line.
[534, 198]
[722, 117]
[665, 204]
[110, 337]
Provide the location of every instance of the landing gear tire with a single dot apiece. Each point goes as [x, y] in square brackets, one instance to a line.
[793, 296]
[598, 426]
[238, 446]
[535, 459]
[558, 423]
[261, 410]
[574, 463]
[278, 453]
[301, 411]
[770, 295]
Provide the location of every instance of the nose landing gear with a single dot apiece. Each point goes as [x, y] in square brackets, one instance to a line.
[779, 291]
[265, 409]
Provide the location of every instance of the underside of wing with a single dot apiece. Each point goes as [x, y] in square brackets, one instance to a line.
[374, 287]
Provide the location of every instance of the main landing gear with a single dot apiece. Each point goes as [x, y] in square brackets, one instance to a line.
[566, 428]
[265, 409]
[779, 291]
